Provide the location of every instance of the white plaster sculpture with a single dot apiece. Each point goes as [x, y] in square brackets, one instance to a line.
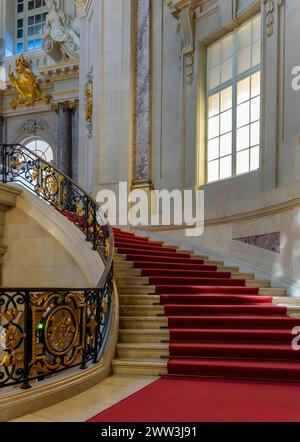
[61, 38]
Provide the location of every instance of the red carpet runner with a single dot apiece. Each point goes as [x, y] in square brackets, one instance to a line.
[218, 326]
[200, 400]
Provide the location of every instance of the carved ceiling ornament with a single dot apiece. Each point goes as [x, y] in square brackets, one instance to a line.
[27, 86]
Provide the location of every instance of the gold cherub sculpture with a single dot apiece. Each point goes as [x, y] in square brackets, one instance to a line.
[27, 86]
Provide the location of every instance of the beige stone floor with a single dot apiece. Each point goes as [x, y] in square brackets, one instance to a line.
[88, 404]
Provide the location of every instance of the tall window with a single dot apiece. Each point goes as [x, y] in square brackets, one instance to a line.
[233, 102]
[41, 148]
[30, 20]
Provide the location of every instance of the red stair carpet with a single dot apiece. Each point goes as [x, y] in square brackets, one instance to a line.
[202, 400]
[218, 327]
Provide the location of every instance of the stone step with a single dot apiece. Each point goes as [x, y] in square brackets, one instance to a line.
[121, 265]
[286, 301]
[131, 280]
[238, 275]
[273, 291]
[143, 322]
[145, 335]
[142, 351]
[258, 283]
[214, 263]
[228, 269]
[142, 310]
[149, 367]
[138, 300]
[130, 272]
[130, 289]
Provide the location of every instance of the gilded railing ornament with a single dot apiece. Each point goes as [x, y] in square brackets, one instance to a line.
[46, 332]
[26, 85]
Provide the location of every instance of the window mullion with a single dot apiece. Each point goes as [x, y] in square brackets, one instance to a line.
[234, 101]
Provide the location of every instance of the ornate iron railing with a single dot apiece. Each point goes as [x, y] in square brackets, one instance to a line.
[46, 331]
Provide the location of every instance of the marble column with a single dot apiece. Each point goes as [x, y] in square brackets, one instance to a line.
[142, 114]
[75, 141]
[64, 138]
[1, 129]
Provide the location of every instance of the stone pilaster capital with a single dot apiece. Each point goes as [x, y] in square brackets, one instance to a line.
[65, 106]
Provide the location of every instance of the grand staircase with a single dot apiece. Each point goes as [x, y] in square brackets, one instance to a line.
[183, 314]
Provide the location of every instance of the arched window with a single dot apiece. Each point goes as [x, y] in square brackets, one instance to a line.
[41, 148]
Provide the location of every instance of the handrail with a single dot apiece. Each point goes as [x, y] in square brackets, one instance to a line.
[47, 331]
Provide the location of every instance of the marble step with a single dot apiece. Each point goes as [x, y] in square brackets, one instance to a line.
[145, 335]
[130, 289]
[138, 300]
[131, 280]
[142, 310]
[143, 322]
[273, 291]
[262, 283]
[132, 272]
[150, 367]
[141, 351]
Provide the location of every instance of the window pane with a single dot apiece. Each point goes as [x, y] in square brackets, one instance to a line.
[226, 73]
[255, 133]
[214, 77]
[213, 105]
[242, 162]
[226, 99]
[213, 149]
[256, 53]
[256, 33]
[243, 90]
[225, 167]
[227, 47]
[244, 36]
[20, 48]
[226, 122]
[243, 136]
[243, 114]
[255, 109]
[213, 171]
[254, 158]
[214, 55]
[225, 144]
[255, 85]
[244, 60]
[30, 46]
[213, 127]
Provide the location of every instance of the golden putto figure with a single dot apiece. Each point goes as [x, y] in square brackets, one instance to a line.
[26, 85]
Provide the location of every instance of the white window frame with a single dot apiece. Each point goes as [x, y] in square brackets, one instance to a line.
[236, 78]
[25, 15]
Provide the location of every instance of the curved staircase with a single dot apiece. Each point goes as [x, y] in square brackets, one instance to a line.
[182, 314]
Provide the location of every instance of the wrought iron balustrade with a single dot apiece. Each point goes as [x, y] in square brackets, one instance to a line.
[46, 331]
